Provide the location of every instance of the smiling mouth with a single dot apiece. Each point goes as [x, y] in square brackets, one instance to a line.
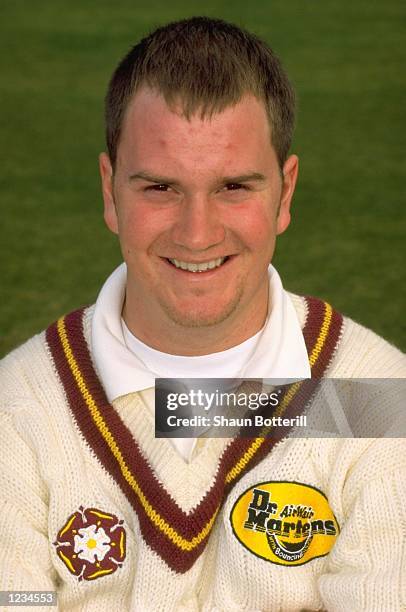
[198, 267]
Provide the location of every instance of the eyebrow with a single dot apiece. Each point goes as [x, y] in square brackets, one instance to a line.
[165, 180]
[145, 176]
[244, 178]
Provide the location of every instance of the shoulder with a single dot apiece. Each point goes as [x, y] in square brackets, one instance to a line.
[22, 369]
[360, 352]
[28, 372]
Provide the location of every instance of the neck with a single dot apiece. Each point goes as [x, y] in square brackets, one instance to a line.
[167, 336]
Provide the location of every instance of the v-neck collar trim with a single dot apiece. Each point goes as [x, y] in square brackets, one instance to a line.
[178, 537]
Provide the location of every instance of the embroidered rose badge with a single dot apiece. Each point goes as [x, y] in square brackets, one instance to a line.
[92, 543]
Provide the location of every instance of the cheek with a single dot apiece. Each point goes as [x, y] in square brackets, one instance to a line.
[140, 227]
[255, 227]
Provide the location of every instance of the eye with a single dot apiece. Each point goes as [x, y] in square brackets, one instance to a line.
[158, 187]
[235, 186]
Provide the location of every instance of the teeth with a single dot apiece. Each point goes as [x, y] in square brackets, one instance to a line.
[195, 267]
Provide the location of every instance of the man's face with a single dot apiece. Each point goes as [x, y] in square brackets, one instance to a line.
[197, 205]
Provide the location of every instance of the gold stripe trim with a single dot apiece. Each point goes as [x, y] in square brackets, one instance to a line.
[236, 470]
[101, 515]
[325, 327]
[67, 526]
[66, 561]
[122, 544]
[321, 339]
[99, 573]
[154, 516]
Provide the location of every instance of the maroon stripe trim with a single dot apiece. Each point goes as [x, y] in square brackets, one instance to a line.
[186, 524]
[311, 332]
[314, 321]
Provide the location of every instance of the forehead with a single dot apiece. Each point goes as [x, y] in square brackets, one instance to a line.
[150, 126]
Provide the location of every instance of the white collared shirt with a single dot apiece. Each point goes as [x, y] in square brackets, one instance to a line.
[126, 365]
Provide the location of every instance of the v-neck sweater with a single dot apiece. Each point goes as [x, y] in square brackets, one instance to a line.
[69, 456]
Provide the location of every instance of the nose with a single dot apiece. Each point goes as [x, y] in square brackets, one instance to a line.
[198, 226]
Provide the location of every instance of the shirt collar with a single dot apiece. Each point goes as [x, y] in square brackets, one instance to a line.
[280, 351]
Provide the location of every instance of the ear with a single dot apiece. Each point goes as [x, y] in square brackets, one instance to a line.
[290, 172]
[110, 212]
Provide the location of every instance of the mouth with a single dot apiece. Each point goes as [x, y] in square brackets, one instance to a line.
[198, 267]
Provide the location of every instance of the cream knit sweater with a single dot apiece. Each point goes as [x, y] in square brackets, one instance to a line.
[60, 506]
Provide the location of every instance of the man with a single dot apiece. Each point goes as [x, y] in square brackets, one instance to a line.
[197, 183]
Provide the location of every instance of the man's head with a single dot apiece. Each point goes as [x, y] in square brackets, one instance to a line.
[205, 65]
[197, 193]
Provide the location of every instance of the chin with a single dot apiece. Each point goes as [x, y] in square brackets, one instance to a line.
[199, 316]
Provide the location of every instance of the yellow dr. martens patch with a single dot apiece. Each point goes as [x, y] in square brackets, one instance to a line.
[287, 523]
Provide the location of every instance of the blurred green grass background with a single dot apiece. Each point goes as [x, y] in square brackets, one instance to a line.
[347, 61]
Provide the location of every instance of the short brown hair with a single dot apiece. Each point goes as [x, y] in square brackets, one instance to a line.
[207, 65]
